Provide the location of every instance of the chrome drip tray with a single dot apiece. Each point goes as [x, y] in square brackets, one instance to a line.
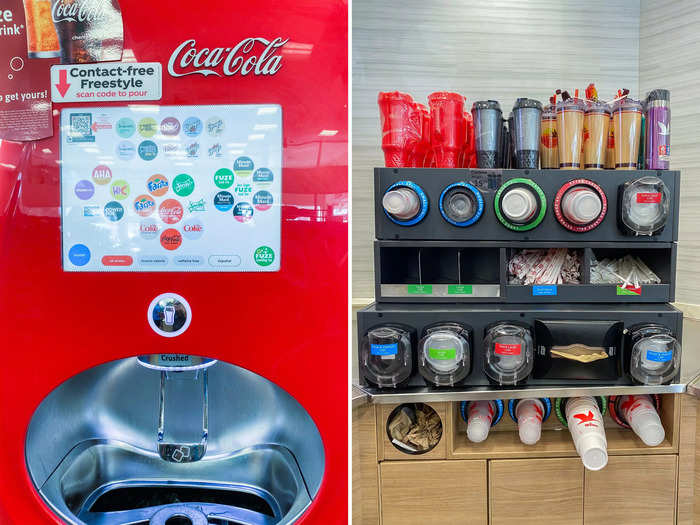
[103, 482]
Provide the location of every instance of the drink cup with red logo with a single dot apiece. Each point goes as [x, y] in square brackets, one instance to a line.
[449, 128]
[480, 416]
[549, 146]
[641, 415]
[585, 422]
[596, 121]
[401, 128]
[529, 414]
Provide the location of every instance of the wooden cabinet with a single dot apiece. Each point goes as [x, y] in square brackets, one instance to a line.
[433, 492]
[521, 491]
[631, 490]
[526, 485]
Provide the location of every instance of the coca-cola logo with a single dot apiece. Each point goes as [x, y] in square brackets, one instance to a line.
[78, 10]
[251, 55]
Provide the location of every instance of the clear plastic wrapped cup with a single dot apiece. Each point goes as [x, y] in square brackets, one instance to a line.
[570, 114]
[627, 125]
[596, 122]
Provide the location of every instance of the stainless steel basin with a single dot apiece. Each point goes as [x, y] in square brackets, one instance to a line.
[92, 451]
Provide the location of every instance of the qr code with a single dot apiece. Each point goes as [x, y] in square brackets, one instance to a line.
[81, 128]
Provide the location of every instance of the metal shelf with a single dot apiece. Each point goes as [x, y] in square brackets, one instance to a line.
[424, 395]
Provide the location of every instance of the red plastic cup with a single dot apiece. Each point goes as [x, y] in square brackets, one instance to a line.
[400, 127]
[421, 153]
[449, 128]
[469, 151]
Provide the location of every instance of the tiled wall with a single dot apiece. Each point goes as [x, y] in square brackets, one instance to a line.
[490, 49]
[669, 57]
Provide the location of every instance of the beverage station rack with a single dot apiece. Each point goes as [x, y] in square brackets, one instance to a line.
[487, 188]
[443, 275]
[472, 271]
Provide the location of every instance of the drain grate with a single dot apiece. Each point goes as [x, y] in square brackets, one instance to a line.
[129, 498]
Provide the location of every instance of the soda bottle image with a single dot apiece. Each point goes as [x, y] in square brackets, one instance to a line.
[88, 30]
[42, 41]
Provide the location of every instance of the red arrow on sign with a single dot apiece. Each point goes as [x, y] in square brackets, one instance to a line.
[63, 84]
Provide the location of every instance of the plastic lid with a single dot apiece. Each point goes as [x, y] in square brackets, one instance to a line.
[645, 205]
[445, 95]
[659, 94]
[628, 104]
[386, 355]
[571, 104]
[486, 104]
[597, 106]
[509, 353]
[655, 359]
[444, 350]
[527, 103]
[519, 204]
[477, 430]
[394, 95]
[549, 112]
[401, 202]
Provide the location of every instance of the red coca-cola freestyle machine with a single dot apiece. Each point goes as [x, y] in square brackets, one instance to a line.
[173, 270]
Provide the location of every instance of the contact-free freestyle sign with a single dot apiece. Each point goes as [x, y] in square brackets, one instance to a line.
[106, 82]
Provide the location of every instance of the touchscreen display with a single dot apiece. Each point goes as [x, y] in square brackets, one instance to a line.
[171, 188]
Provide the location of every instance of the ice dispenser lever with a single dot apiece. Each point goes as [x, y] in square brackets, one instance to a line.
[183, 395]
[181, 451]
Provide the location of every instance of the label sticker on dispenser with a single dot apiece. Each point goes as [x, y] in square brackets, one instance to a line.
[442, 354]
[629, 290]
[659, 357]
[544, 289]
[420, 289]
[507, 349]
[181, 189]
[459, 289]
[388, 349]
[648, 198]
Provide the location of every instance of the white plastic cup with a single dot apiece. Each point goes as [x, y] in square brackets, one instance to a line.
[586, 426]
[529, 413]
[402, 203]
[581, 205]
[640, 413]
[479, 418]
[519, 205]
